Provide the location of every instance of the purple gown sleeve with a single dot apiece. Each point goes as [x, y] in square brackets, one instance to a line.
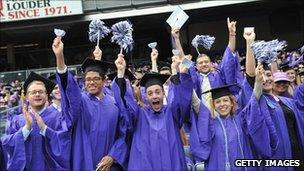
[120, 150]
[229, 70]
[58, 148]
[126, 103]
[71, 97]
[202, 133]
[2, 159]
[14, 145]
[259, 126]
[299, 97]
[245, 94]
[181, 104]
[196, 81]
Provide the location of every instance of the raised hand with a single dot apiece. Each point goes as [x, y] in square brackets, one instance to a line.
[57, 46]
[120, 63]
[175, 33]
[259, 73]
[97, 53]
[175, 63]
[189, 56]
[249, 36]
[105, 163]
[154, 55]
[28, 118]
[231, 27]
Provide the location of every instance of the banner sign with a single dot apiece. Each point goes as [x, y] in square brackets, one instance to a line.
[15, 10]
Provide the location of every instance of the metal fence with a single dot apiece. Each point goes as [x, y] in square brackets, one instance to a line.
[7, 77]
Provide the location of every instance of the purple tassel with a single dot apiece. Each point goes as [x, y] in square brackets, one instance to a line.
[122, 35]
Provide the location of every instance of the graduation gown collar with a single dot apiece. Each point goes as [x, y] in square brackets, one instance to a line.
[95, 97]
[150, 109]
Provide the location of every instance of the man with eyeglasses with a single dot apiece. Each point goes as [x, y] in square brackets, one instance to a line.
[37, 139]
[98, 125]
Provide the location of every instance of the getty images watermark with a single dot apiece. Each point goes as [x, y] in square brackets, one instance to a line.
[267, 163]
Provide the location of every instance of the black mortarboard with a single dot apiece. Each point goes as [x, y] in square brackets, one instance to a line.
[53, 78]
[128, 75]
[266, 66]
[220, 91]
[49, 85]
[285, 67]
[95, 65]
[150, 79]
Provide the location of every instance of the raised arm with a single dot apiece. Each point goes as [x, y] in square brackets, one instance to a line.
[154, 56]
[259, 124]
[250, 61]
[230, 65]
[175, 33]
[97, 53]
[58, 51]
[123, 93]
[232, 33]
[69, 89]
[181, 105]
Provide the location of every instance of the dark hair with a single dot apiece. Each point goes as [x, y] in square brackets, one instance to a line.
[101, 74]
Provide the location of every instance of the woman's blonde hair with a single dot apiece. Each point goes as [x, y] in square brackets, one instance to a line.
[214, 114]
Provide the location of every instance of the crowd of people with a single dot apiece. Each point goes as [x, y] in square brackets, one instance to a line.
[146, 118]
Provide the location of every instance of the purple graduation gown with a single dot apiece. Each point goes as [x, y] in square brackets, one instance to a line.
[299, 96]
[227, 73]
[276, 115]
[246, 130]
[275, 111]
[51, 152]
[156, 143]
[2, 159]
[98, 127]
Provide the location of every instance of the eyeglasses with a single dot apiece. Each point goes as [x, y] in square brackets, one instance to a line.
[94, 79]
[34, 92]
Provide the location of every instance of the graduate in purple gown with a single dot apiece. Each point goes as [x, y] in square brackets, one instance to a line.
[285, 113]
[204, 76]
[37, 139]
[156, 143]
[228, 133]
[97, 124]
